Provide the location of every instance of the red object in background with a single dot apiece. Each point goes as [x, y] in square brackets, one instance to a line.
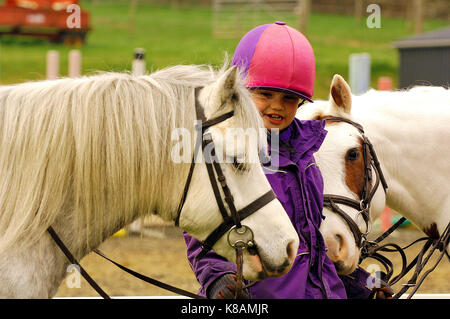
[386, 219]
[45, 18]
[384, 83]
[41, 4]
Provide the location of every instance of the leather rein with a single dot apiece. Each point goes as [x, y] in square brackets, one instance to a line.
[239, 237]
[373, 249]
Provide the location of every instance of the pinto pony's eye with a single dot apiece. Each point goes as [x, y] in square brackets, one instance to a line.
[352, 155]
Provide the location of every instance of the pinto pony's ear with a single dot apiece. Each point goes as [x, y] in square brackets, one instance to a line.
[340, 96]
[226, 85]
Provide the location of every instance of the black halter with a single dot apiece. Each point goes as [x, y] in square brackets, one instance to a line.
[363, 206]
[238, 235]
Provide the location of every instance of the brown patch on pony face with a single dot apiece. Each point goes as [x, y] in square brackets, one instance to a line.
[354, 163]
[354, 170]
[432, 231]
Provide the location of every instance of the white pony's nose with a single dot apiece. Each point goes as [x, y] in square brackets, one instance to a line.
[275, 269]
[291, 248]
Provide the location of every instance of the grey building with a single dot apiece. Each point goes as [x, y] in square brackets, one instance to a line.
[425, 59]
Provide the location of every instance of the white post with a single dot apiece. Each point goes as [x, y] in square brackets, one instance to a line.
[52, 65]
[74, 63]
[418, 16]
[359, 72]
[304, 7]
[138, 67]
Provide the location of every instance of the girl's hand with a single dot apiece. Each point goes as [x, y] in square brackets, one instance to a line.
[225, 288]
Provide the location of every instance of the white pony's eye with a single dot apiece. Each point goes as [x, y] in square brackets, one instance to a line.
[352, 155]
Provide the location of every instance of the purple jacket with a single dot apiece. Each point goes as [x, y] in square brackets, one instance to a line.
[298, 184]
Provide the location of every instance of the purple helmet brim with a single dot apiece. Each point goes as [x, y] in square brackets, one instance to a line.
[271, 88]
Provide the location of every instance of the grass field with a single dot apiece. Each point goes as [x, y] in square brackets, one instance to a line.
[183, 35]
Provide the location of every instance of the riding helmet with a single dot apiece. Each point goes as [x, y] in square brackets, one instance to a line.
[277, 57]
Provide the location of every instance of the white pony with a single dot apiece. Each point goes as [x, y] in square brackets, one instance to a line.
[87, 156]
[410, 132]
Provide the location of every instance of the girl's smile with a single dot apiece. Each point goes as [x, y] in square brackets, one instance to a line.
[278, 109]
[275, 118]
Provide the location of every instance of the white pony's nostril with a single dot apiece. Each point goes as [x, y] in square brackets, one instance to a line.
[339, 241]
[290, 250]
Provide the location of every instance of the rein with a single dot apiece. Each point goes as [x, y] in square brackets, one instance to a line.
[240, 237]
[372, 249]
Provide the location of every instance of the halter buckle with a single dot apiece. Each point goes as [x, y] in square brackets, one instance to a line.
[363, 205]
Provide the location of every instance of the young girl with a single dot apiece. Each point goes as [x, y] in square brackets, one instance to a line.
[279, 67]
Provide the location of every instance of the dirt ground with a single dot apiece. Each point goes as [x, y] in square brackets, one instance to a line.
[161, 254]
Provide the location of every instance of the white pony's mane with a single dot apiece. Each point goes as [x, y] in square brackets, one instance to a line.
[87, 149]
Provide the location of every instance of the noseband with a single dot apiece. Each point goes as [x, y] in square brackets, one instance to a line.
[362, 206]
[239, 236]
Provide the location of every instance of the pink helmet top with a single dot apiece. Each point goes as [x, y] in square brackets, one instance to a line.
[277, 57]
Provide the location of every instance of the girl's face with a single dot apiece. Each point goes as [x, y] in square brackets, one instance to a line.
[278, 109]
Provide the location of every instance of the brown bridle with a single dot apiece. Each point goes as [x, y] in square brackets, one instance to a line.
[363, 205]
[239, 236]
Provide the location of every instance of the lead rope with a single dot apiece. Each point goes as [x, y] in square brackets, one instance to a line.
[441, 244]
[150, 280]
[239, 272]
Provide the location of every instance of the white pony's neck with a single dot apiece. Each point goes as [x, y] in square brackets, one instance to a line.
[130, 119]
[410, 132]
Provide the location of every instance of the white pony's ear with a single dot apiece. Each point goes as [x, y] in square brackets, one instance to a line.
[340, 96]
[226, 85]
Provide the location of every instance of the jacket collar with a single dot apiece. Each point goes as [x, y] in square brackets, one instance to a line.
[297, 142]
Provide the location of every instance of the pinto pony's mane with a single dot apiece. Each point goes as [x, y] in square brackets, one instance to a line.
[96, 149]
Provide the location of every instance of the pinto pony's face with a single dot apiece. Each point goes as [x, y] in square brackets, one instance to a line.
[238, 141]
[341, 162]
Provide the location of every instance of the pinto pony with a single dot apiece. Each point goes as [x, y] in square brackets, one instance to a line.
[87, 156]
[409, 131]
